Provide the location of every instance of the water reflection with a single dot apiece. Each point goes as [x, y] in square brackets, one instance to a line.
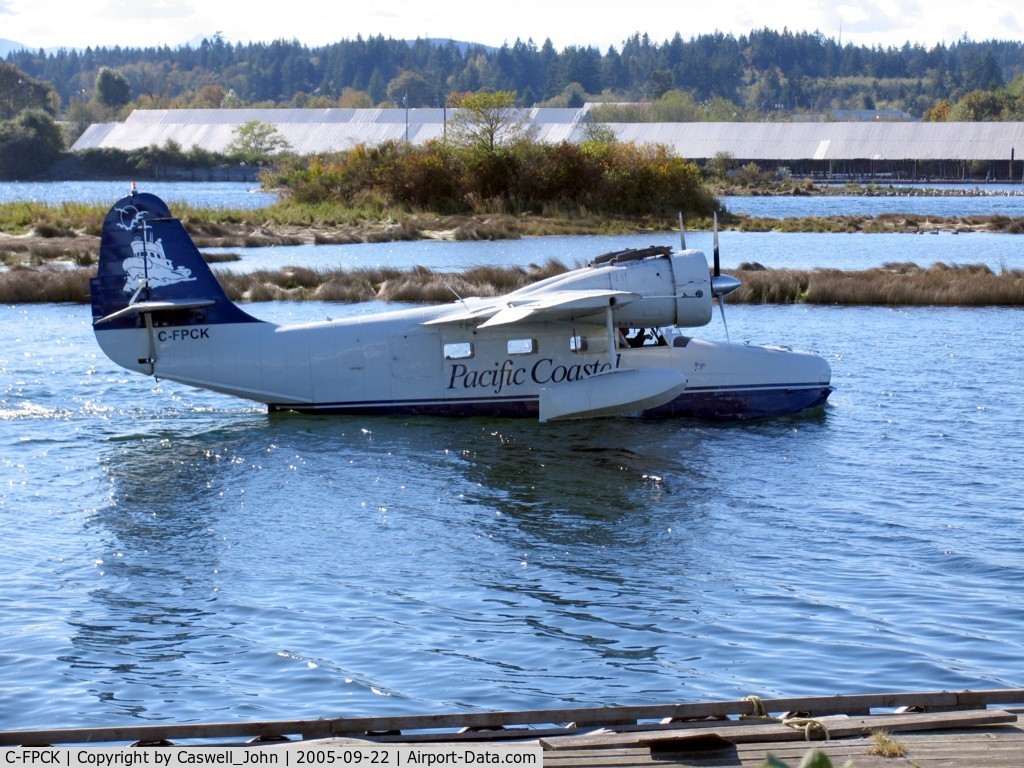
[441, 540]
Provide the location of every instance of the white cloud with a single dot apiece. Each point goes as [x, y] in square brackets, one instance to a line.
[156, 11]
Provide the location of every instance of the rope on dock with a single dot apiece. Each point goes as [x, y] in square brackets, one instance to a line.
[812, 727]
[760, 712]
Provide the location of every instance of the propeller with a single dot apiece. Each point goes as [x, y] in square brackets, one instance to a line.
[682, 233]
[721, 285]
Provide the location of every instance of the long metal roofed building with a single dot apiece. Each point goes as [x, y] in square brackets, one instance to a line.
[806, 147]
[308, 131]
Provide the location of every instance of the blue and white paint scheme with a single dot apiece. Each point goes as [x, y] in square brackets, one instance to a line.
[603, 340]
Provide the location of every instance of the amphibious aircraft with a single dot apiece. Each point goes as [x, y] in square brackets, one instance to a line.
[605, 339]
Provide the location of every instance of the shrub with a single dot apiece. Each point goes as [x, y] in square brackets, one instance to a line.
[525, 176]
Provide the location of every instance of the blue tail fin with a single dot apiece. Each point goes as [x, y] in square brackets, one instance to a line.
[149, 264]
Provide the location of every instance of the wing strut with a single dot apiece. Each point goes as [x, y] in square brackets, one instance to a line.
[612, 336]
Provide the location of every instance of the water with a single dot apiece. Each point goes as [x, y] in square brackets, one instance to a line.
[983, 200]
[771, 249]
[1004, 200]
[207, 194]
[175, 555]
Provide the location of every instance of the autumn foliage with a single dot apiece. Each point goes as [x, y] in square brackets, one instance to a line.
[610, 178]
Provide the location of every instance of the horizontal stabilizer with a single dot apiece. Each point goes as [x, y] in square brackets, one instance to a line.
[611, 394]
[165, 305]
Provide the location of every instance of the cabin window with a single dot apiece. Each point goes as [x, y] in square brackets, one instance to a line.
[522, 346]
[578, 344]
[458, 350]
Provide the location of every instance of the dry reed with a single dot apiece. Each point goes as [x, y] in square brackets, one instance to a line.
[897, 284]
[24, 285]
[891, 285]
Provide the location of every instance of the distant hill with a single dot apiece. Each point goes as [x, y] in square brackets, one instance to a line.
[6, 46]
[461, 45]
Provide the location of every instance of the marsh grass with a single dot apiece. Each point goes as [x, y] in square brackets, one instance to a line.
[22, 216]
[896, 284]
[881, 223]
[973, 285]
[418, 285]
[22, 285]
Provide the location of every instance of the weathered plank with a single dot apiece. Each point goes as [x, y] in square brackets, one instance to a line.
[1001, 748]
[748, 731]
[971, 754]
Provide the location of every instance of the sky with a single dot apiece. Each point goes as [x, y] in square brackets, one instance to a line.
[601, 23]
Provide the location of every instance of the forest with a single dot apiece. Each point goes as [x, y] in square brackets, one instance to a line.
[48, 98]
[762, 75]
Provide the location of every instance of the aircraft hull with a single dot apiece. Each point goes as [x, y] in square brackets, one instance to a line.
[724, 405]
[332, 368]
[742, 403]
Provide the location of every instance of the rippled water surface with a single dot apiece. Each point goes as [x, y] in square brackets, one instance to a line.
[776, 250]
[177, 555]
[207, 194]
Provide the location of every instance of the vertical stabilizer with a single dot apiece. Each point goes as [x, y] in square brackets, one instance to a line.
[148, 264]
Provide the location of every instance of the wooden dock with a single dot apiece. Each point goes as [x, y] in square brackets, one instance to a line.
[943, 729]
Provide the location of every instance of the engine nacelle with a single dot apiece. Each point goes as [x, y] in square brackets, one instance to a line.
[675, 290]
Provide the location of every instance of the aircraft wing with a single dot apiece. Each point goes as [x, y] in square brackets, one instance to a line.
[465, 315]
[544, 307]
[560, 305]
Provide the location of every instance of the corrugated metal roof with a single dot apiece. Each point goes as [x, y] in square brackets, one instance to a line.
[311, 131]
[834, 141]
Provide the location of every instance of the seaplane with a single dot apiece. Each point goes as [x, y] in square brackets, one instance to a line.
[606, 339]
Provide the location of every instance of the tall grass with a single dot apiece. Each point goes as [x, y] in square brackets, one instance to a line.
[418, 285]
[21, 216]
[23, 285]
[972, 285]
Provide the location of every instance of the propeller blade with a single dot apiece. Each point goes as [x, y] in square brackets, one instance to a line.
[721, 284]
[718, 266]
[682, 233]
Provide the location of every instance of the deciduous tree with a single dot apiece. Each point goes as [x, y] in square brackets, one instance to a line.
[29, 144]
[256, 141]
[18, 92]
[112, 89]
[489, 120]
